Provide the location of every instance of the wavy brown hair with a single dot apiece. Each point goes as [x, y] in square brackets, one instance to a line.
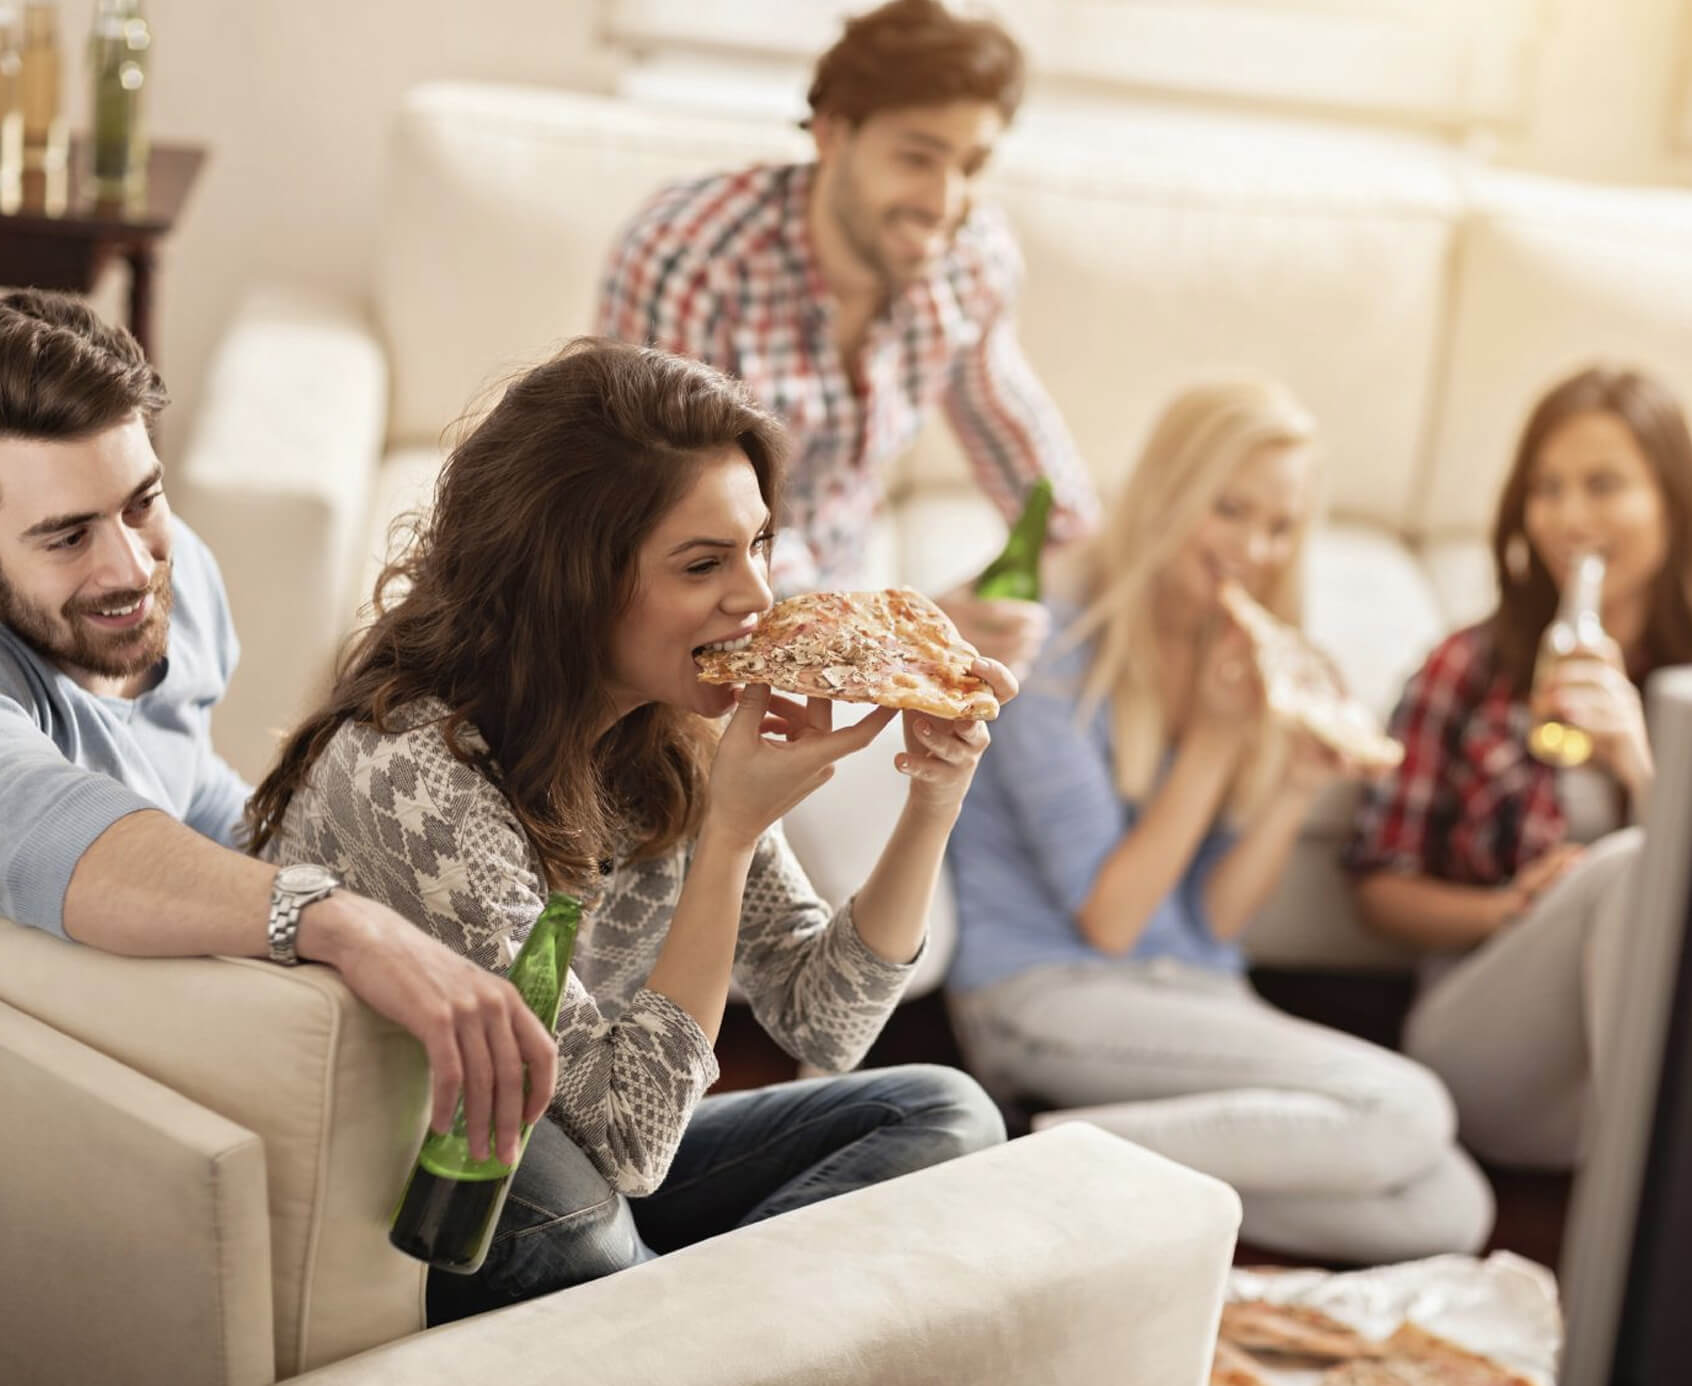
[505, 602]
[1527, 592]
[916, 53]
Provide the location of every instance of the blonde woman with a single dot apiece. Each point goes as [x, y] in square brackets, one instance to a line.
[1136, 812]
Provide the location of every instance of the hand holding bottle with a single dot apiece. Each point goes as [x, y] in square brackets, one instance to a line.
[1007, 630]
[1590, 690]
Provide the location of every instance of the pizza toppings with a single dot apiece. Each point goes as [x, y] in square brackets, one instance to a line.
[1292, 1330]
[893, 648]
[1299, 1333]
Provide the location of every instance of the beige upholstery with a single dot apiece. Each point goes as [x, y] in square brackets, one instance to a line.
[1415, 300]
[997, 1273]
[334, 1092]
[137, 1244]
[207, 1153]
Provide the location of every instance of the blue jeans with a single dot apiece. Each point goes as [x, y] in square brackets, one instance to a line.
[745, 1156]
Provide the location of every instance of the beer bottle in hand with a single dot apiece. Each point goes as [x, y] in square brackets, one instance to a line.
[1576, 627]
[451, 1203]
[1016, 571]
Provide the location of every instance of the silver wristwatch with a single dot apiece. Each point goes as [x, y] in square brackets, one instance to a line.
[295, 887]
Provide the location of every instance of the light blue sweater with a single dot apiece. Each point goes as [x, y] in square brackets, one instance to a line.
[72, 764]
[1040, 820]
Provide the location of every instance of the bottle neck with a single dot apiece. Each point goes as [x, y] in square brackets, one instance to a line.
[1582, 602]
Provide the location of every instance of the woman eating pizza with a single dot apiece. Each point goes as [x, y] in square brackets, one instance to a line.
[1137, 809]
[1512, 875]
[526, 713]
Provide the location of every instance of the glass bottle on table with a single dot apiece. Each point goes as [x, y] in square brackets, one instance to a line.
[45, 135]
[119, 44]
[1578, 626]
[1016, 571]
[11, 107]
[452, 1201]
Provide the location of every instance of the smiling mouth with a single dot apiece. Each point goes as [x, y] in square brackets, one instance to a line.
[125, 617]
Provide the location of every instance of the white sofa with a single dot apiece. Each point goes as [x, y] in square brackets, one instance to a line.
[206, 1153]
[1417, 302]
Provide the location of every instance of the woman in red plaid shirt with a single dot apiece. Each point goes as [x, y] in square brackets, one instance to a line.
[1510, 874]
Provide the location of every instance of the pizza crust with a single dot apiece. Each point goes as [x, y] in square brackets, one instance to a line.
[1292, 1330]
[894, 648]
[1302, 686]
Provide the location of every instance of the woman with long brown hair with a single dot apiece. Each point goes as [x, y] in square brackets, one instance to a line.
[525, 712]
[1512, 875]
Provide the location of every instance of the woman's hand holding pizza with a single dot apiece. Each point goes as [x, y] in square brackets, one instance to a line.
[775, 753]
[940, 756]
[1591, 690]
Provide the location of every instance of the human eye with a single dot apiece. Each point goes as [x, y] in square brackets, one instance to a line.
[764, 542]
[69, 542]
[1604, 483]
[916, 160]
[1229, 508]
[703, 567]
[144, 504]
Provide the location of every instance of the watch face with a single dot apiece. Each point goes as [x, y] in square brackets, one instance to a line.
[304, 878]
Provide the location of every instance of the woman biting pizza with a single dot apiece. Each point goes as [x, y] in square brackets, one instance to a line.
[526, 712]
[1139, 806]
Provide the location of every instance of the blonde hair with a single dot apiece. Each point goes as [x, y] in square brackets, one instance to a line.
[1201, 438]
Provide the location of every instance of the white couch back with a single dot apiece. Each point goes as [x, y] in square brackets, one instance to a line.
[1155, 251]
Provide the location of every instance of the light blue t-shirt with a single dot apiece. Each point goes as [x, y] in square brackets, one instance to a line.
[1041, 818]
[72, 763]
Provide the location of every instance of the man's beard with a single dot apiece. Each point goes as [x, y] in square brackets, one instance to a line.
[860, 228]
[71, 643]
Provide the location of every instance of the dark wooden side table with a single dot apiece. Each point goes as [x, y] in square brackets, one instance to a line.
[56, 236]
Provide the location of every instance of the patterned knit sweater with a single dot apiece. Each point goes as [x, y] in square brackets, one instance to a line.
[405, 822]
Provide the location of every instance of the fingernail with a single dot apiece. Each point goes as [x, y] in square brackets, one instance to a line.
[925, 727]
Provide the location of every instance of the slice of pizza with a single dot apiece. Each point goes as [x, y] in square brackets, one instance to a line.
[895, 648]
[1303, 687]
[1293, 1330]
[1441, 1362]
[1231, 1367]
[1366, 1371]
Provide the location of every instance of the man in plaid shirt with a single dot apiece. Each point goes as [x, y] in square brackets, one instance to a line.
[854, 293]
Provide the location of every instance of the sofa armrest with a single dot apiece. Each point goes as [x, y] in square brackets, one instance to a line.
[1067, 1256]
[277, 479]
[336, 1094]
[137, 1242]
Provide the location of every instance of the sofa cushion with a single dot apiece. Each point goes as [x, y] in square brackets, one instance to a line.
[1370, 605]
[1553, 276]
[1162, 247]
[503, 204]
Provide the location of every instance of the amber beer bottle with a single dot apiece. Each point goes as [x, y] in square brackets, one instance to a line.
[451, 1203]
[1016, 571]
[1576, 627]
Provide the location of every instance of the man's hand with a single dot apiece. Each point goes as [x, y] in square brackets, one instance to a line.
[479, 1035]
[1001, 628]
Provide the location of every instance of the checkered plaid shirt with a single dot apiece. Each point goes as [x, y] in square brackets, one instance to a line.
[723, 269]
[1468, 803]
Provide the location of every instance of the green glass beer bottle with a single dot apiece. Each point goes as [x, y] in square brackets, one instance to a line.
[1016, 571]
[446, 1215]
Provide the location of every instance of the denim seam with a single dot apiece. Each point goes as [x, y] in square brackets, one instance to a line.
[557, 1220]
[897, 1111]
